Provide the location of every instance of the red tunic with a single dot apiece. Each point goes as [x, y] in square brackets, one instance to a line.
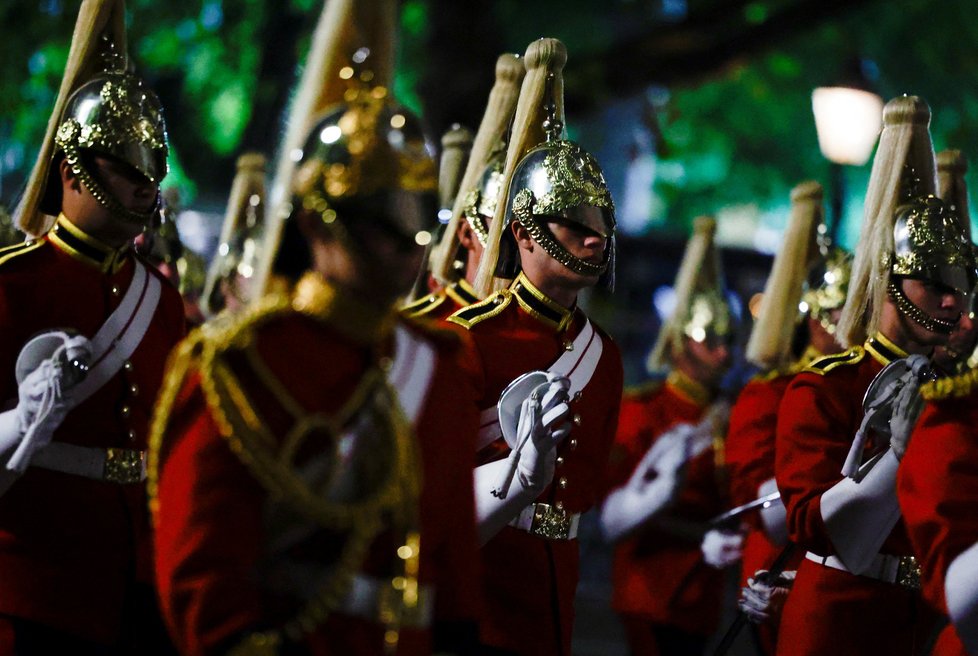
[217, 579]
[443, 303]
[938, 490]
[657, 575]
[530, 581]
[830, 611]
[69, 545]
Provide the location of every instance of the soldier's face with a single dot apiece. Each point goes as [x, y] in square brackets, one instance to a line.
[937, 300]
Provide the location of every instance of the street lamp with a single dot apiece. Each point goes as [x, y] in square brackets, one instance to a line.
[848, 118]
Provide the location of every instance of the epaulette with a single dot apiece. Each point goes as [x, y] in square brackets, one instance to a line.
[10, 252]
[956, 387]
[435, 330]
[490, 307]
[197, 352]
[423, 305]
[824, 365]
[643, 390]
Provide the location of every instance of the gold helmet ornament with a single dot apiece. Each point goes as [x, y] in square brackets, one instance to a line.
[701, 311]
[907, 231]
[547, 179]
[482, 181]
[771, 338]
[102, 109]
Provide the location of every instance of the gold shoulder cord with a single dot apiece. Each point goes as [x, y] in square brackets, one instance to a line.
[270, 460]
[956, 387]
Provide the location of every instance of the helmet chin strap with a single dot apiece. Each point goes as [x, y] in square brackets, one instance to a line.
[105, 197]
[915, 314]
[554, 249]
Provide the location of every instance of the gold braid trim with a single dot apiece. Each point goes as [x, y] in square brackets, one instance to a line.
[270, 461]
[956, 387]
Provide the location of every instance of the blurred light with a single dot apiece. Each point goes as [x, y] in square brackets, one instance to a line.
[330, 134]
[211, 16]
[699, 333]
[346, 73]
[754, 304]
[398, 121]
[361, 55]
[848, 121]
[664, 300]
[444, 215]
[296, 155]
[423, 238]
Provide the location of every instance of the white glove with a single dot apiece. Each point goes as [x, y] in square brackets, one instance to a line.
[543, 424]
[44, 398]
[653, 486]
[760, 600]
[906, 410]
[722, 548]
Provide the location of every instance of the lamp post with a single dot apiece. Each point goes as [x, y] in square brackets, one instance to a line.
[848, 118]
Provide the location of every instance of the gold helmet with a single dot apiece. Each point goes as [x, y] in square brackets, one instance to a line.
[771, 338]
[101, 110]
[951, 186]
[907, 231]
[546, 177]
[830, 289]
[371, 153]
[481, 184]
[232, 269]
[701, 311]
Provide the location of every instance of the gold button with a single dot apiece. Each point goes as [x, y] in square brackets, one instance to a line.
[115, 290]
[568, 345]
[126, 411]
[497, 300]
[577, 419]
[386, 364]
[132, 435]
[577, 397]
[134, 389]
[562, 482]
[560, 460]
[573, 443]
[127, 365]
[559, 505]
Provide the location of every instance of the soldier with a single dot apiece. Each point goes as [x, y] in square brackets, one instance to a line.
[856, 591]
[74, 530]
[666, 482]
[783, 342]
[456, 259]
[552, 237]
[310, 492]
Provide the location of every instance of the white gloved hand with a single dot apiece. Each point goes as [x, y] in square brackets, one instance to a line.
[653, 485]
[906, 410]
[761, 600]
[44, 398]
[722, 548]
[543, 424]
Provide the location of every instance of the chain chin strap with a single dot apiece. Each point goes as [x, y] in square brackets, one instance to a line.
[555, 250]
[915, 314]
[104, 197]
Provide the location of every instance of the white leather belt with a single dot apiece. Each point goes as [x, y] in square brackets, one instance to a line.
[371, 598]
[122, 466]
[546, 521]
[902, 570]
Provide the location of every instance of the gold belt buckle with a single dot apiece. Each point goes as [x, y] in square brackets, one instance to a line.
[549, 522]
[123, 466]
[908, 573]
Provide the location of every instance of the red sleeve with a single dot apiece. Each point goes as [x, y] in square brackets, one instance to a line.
[816, 424]
[208, 533]
[751, 437]
[628, 446]
[937, 486]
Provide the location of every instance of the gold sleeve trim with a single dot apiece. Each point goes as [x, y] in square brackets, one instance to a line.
[825, 364]
[956, 387]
